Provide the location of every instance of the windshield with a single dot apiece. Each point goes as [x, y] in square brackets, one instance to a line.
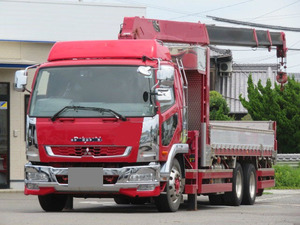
[118, 88]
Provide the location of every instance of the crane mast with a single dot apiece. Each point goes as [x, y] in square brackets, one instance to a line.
[202, 34]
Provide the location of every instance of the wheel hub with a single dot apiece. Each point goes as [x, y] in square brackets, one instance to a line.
[175, 182]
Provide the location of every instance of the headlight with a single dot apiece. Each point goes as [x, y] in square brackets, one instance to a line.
[37, 176]
[146, 187]
[142, 177]
[32, 186]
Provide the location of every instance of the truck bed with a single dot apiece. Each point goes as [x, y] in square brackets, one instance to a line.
[242, 138]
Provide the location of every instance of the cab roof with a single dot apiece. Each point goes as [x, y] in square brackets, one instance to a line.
[110, 49]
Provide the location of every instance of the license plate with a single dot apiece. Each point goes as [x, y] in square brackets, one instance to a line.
[85, 178]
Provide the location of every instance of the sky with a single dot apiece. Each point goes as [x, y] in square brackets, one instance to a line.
[272, 12]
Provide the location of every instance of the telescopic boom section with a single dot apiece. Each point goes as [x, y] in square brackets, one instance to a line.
[164, 30]
[246, 37]
[197, 33]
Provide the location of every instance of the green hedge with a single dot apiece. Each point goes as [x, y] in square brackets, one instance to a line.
[287, 177]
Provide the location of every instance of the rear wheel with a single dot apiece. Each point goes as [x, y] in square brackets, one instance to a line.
[260, 192]
[52, 202]
[170, 201]
[249, 184]
[216, 199]
[235, 197]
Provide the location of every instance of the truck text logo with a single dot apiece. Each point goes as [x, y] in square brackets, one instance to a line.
[86, 139]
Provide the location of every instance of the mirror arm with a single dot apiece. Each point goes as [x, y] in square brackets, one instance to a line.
[30, 67]
[26, 73]
[158, 82]
[144, 58]
[27, 90]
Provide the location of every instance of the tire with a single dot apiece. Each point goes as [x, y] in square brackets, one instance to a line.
[235, 197]
[170, 201]
[52, 202]
[259, 192]
[122, 200]
[250, 184]
[139, 201]
[216, 199]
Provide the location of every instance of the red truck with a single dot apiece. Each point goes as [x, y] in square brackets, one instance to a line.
[129, 119]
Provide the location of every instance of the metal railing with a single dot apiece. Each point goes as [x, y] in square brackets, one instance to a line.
[292, 160]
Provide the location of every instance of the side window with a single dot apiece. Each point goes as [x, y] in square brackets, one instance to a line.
[168, 129]
[164, 106]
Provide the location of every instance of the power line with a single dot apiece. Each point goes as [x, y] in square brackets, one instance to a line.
[276, 16]
[295, 29]
[211, 10]
[276, 10]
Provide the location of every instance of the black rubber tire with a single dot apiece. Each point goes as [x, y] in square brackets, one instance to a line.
[235, 197]
[260, 192]
[170, 201]
[250, 184]
[139, 201]
[52, 202]
[216, 199]
[122, 200]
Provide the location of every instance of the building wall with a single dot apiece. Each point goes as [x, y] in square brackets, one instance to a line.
[29, 28]
[61, 21]
[233, 84]
[16, 54]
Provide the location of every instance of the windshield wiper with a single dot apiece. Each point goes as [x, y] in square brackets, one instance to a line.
[97, 109]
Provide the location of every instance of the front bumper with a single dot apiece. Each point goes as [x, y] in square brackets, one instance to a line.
[132, 181]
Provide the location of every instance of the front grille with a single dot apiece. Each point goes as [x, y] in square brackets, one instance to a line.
[85, 151]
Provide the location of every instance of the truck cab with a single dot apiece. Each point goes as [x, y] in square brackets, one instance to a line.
[103, 118]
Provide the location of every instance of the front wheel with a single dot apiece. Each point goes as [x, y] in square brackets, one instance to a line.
[52, 202]
[122, 200]
[170, 201]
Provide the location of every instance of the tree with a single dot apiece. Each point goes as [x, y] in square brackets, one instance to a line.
[218, 108]
[267, 103]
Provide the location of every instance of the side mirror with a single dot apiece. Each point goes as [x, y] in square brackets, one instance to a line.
[165, 75]
[20, 80]
[163, 94]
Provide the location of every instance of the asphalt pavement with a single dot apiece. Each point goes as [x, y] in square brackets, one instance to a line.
[275, 207]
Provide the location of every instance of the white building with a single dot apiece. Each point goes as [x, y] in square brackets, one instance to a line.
[28, 29]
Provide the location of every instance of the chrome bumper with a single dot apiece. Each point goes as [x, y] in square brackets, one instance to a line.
[141, 178]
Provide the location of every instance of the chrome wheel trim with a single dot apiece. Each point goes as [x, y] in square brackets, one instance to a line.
[252, 188]
[239, 184]
[175, 185]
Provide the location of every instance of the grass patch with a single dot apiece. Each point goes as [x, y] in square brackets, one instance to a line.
[287, 177]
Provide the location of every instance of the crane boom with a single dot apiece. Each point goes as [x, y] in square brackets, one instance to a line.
[198, 33]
